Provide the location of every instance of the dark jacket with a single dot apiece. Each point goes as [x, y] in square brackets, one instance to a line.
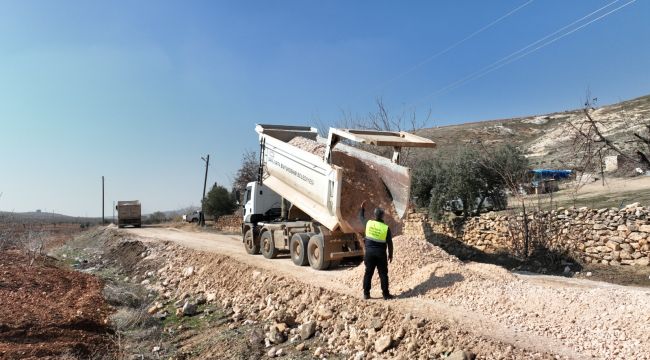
[375, 245]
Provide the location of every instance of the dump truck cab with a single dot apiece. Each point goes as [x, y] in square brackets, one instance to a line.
[261, 203]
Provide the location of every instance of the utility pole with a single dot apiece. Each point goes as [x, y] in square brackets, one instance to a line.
[205, 182]
[113, 222]
[103, 222]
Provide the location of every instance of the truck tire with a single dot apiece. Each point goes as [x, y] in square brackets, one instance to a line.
[298, 249]
[316, 253]
[268, 247]
[251, 244]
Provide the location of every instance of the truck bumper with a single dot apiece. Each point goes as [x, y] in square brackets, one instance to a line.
[134, 222]
[345, 254]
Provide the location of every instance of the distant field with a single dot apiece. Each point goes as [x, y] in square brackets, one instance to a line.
[617, 192]
[53, 234]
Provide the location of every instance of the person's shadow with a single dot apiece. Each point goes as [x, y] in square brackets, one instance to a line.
[433, 282]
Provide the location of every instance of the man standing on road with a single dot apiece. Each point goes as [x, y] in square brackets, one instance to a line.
[377, 239]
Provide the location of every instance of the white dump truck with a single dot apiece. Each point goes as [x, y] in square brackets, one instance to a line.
[297, 205]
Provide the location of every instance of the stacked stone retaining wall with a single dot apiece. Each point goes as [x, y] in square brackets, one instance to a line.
[229, 223]
[598, 236]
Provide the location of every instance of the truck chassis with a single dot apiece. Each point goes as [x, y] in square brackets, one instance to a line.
[306, 241]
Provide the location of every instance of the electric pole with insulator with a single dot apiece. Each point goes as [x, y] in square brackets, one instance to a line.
[205, 182]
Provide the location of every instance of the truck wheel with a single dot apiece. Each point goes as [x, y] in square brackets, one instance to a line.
[298, 249]
[251, 244]
[268, 247]
[316, 252]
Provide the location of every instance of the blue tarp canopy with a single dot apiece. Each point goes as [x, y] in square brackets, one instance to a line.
[551, 174]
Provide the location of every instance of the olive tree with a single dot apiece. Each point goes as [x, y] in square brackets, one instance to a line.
[157, 217]
[219, 201]
[469, 177]
[511, 167]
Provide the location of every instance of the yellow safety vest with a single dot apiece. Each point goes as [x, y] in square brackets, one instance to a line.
[376, 231]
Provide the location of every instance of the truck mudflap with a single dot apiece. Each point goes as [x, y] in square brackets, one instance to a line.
[339, 245]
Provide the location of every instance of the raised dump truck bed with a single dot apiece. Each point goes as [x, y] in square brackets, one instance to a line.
[310, 189]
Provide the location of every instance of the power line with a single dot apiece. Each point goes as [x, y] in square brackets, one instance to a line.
[452, 46]
[556, 39]
[514, 56]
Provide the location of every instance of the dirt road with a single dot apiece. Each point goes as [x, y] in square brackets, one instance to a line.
[477, 316]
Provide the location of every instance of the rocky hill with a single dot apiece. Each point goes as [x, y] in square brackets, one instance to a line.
[546, 139]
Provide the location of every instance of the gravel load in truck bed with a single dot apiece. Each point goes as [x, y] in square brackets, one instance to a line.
[360, 182]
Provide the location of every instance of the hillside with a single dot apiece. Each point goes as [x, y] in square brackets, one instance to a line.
[546, 139]
[44, 217]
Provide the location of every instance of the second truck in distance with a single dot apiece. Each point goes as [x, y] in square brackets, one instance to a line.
[129, 213]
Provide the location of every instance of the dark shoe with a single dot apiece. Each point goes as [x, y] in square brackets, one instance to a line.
[388, 297]
[366, 296]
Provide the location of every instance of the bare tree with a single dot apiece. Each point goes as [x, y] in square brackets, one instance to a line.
[591, 144]
[511, 166]
[381, 120]
[6, 230]
[247, 171]
[644, 140]
[33, 243]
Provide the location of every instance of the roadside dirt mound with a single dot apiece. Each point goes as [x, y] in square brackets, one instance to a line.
[127, 254]
[50, 312]
[99, 235]
[360, 182]
[343, 326]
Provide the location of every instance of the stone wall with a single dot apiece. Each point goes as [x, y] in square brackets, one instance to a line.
[229, 223]
[606, 236]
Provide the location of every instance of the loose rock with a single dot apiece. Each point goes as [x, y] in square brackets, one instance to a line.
[189, 309]
[383, 343]
[307, 330]
[461, 355]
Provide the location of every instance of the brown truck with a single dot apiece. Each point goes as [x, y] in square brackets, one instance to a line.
[129, 213]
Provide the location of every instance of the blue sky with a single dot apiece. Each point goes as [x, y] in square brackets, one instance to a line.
[138, 91]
